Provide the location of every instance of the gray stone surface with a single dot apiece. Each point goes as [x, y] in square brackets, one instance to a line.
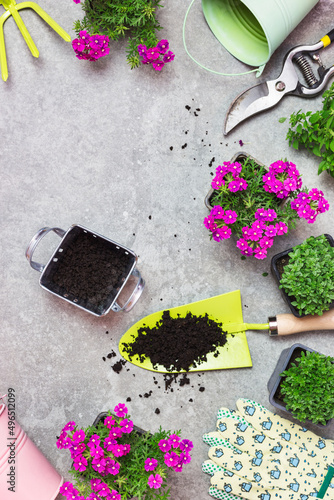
[118, 152]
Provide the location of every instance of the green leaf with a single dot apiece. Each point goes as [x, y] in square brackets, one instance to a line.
[282, 120]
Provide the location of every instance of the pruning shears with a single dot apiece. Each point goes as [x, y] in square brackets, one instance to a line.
[12, 9]
[267, 94]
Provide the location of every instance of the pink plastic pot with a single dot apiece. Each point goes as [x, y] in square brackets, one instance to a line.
[23, 467]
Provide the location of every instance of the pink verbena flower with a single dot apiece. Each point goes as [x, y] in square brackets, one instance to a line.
[217, 181]
[70, 426]
[221, 233]
[163, 46]
[155, 481]
[64, 441]
[170, 56]
[112, 467]
[281, 228]
[117, 450]
[115, 432]
[171, 459]
[185, 458]
[270, 231]
[66, 488]
[80, 463]
[260, 253]
[109, 442]
[234, 185]
[109, 421]
[99, 464]
[77, 449]
[266, 242]
[158, 65]
[217, 212]
[126, 426]
[255, 233]
[174, 440]
[150, 464]
[114, 495]
[96, 451]
[94, 440]
[95, 483]
[178, 467]
[103, 489]
[164, 445]
[142, 50]
[152, 53]
[230, 217]
[186, 445]
[120, 410]
[242, 244]
[78, 436]
[76, 1]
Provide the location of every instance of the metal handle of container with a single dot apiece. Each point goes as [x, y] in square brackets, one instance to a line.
[34, 242]
[134, 296]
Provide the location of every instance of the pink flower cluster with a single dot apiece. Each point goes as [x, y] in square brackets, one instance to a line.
[90, 47]
[282, 179]
[218, 222]
[259, 237]
[176, 454]
[228, 175]
[157, 56]
[100, 454]
[310, 205]
[100, 491]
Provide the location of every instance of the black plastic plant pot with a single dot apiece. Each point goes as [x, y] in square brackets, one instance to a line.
[278, 262]
[287, 357]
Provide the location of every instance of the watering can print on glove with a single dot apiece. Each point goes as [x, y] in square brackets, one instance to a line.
[12, 9]
[255, 453]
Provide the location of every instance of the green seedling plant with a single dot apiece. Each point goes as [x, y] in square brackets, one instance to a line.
[135, 19]
[308, 387]
[308, 278]
[315, 132]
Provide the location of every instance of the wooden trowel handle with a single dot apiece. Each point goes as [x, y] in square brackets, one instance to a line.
[286, 324]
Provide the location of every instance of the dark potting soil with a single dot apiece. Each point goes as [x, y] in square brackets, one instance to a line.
[89, 270]
[178, 343]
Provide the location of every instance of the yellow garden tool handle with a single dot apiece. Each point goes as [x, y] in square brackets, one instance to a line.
[3, 58]
[286, 324]
[48, 19]
[22, 27]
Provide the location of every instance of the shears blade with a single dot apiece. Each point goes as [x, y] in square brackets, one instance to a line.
[254, 100]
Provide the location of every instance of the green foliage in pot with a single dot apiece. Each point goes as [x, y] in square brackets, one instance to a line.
[314, 131]
[308, 387]
[308, 278]
[116, 19]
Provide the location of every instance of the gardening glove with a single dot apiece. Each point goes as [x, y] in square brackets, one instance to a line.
[261, 455]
